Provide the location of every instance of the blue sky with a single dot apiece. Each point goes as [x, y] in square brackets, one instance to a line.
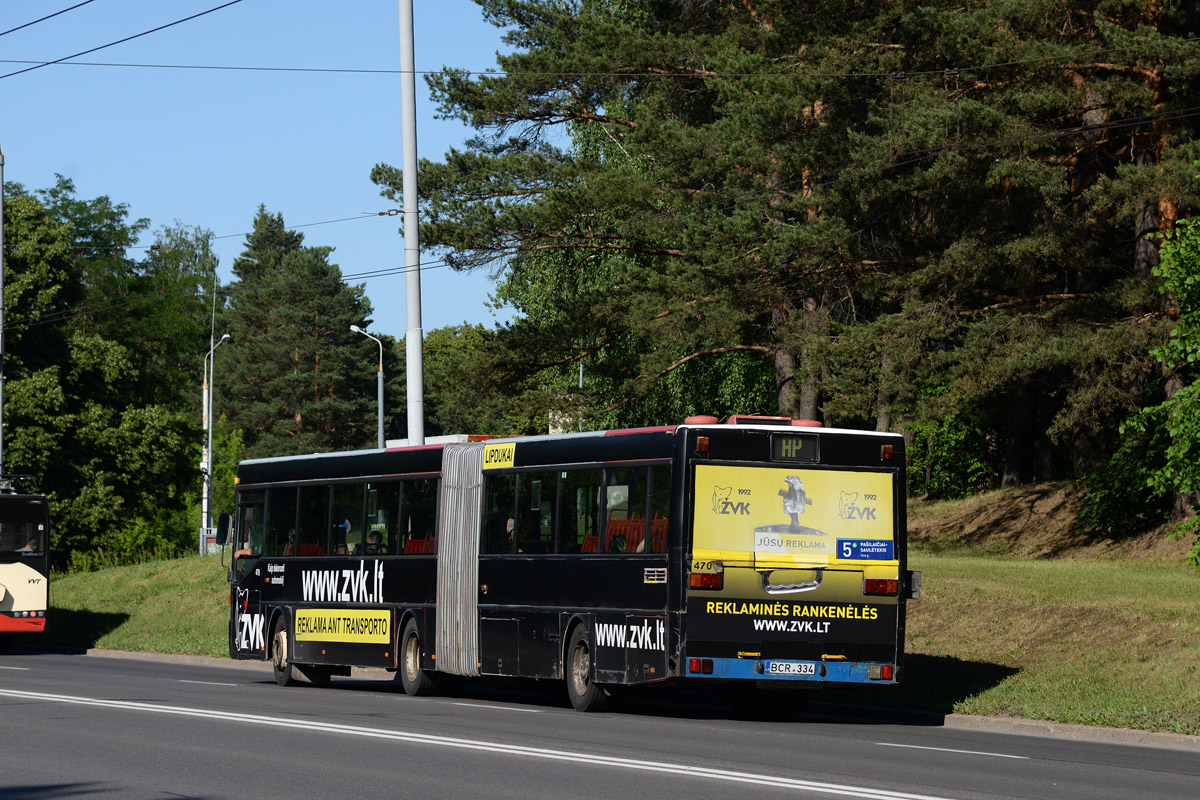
[206, 147]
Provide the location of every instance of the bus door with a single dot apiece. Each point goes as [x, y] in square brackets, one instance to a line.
[247, 629]
[796, 572]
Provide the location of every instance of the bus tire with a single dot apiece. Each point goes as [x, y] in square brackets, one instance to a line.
[416, 681]
[285, 672]
[585, 694]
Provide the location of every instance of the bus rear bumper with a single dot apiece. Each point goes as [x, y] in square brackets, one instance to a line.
[23, 624]
[769, 670]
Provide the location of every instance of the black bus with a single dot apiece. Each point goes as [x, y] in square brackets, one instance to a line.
[24, 559]
[762, 550]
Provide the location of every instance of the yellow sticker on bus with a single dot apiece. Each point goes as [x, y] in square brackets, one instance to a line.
[342, 625]
[781, 517]
[499, 456]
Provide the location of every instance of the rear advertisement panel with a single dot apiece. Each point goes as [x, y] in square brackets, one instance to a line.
[790, 516]
[793, 546]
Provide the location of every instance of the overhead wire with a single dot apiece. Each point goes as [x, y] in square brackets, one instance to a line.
[43, 19]
[490, 73]
[122, 41]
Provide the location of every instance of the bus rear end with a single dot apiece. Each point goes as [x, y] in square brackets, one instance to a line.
[24, 567]
[798, 563]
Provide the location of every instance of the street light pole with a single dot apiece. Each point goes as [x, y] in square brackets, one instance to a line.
[378, 386]
[206, 460]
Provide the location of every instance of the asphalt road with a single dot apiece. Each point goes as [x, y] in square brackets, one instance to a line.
[89, 726]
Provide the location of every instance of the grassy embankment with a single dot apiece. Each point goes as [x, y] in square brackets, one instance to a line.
[1019, 617]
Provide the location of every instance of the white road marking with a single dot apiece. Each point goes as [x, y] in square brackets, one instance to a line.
[948, 750]
[589, 759]
[500, 708]
[23, 669]
[209, 683]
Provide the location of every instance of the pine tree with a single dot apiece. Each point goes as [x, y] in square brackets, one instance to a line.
[294, 378]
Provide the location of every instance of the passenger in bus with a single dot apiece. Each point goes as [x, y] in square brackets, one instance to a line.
[32, 546]
[375, 544]
[290, 548]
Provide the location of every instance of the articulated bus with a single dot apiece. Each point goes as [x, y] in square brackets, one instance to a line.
[24, 561]
[755, 551]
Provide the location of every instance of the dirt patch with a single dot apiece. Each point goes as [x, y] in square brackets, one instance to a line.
[1038, 521]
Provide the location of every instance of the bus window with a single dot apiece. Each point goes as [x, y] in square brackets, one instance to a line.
[383, 520]
[625, 510]
[281, 522]
[535, 505]
[659, 508]
[579, 511]
[418, 515]
[347, 531]
[314, 521]
[498, 522]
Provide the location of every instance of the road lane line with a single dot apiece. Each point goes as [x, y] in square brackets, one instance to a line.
[591, 760]
[499, 708]
[22, 669]
[948, 750]
[207, 683]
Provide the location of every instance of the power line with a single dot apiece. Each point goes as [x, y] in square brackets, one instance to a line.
[43, 19]
[122, 41]
[693, 75]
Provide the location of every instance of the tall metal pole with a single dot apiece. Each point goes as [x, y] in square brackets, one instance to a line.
[378, 387]
[413, 342]
[1, 309]
[206, 466]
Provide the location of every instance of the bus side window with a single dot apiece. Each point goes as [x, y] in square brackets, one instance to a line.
[418, 515]
[314, 520]
[498, 524]
[347, 529]
[625, 510]
[280, 522]
[536, 493]
[659, 509]
[383, 509]
[579, 511]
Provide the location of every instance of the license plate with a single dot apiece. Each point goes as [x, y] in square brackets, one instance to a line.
[791, 668]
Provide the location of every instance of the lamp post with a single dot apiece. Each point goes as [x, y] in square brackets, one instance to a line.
[206, 458]
[378, 384]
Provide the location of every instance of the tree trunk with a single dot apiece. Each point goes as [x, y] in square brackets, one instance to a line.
[785, 364]
[1022, 425]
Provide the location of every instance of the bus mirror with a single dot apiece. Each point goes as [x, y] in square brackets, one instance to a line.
[224, 524]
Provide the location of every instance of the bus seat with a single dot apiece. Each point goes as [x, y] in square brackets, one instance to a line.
[589, 544]
[309, 549]
[658, 535]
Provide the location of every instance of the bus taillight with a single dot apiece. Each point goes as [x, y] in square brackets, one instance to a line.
[707, 580]
[881, 586]
[700, 666]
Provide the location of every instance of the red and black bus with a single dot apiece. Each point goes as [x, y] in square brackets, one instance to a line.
[755, 551]
[24, 559]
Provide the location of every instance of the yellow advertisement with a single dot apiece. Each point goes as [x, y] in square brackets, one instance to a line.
[790, 516]
[343, 625]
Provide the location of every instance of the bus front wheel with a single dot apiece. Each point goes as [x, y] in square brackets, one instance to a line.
[585, 694]
[415, 680]
[280, 656]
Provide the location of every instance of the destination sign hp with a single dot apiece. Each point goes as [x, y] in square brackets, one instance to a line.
[795, 447]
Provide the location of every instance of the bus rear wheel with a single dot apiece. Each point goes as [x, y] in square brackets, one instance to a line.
[585, 694]
[415, 680]
[280, 656]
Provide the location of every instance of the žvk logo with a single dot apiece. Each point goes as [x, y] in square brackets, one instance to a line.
[722, 504]
[848, 507]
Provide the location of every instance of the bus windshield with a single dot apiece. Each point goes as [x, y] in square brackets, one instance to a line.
[22, 525]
